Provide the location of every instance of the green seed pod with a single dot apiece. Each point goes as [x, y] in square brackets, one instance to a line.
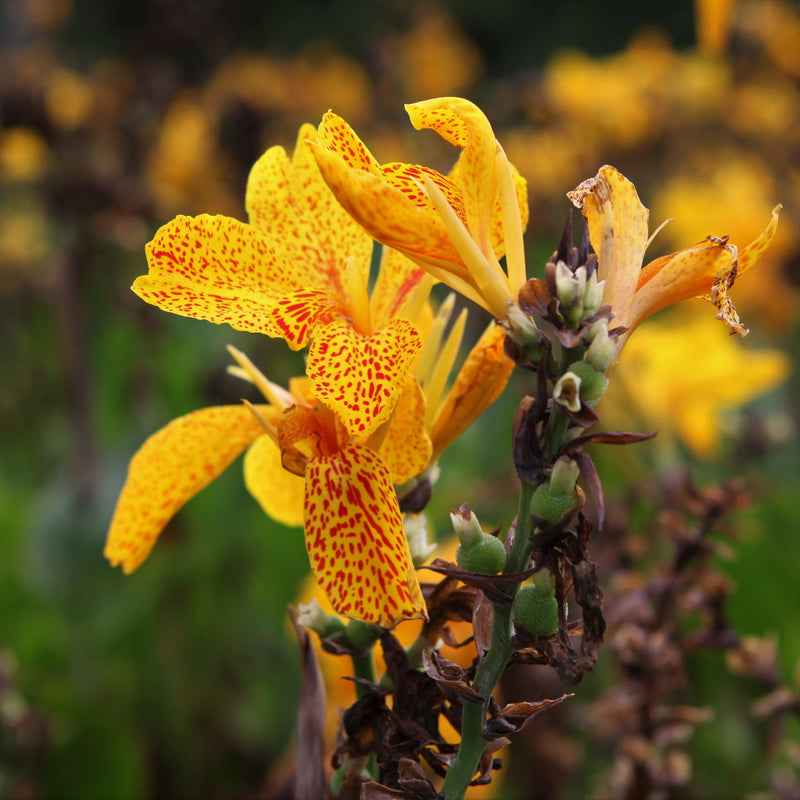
[550, 505]
[486, 556]
[593, 383]
[537, 612]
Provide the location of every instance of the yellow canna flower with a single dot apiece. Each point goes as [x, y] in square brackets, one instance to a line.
[298, 270]
[652, 381]
[455, 226]
[303, 468]
[618, 232]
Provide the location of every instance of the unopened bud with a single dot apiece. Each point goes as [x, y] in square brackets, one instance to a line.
[593, 296]
[570, 288]
[565, 474]
[416, 528]
[312, 616]
[567, 391]
[466, 525]
[523, 331]
[603, 350]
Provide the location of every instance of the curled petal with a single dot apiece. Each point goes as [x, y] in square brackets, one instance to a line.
[360, 377]
[218, 269]
[479, 383]
[296, 314]
[278, 491]
[355, 538]
[171, 467]
[407, 447]
[617, 223]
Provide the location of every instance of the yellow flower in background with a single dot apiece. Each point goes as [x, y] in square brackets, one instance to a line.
[455, 226]
[299, 270]
[303, 468]
[681, 374]
[618, 230]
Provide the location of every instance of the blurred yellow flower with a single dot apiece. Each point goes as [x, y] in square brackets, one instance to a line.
[682, 372]
[24, 154]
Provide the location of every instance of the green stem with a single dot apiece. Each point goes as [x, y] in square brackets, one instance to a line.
[557, 426]
[363, 667]
[473, 715]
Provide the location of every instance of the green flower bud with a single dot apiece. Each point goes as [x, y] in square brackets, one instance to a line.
[593, 383]
[602, 351]
[552, 505]
[536, 611]
[486, 556]
[362, 635]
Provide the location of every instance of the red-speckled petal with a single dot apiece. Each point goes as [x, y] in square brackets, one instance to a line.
[464, 125]
[360, 377]
[279, 492]
[387, 214]
[407, 447]
[171, 467]
[398, 278]
[355, 538]
[289, 202]
[296, 314]
[299, 424]
[218, 269]
[479, 383]
[336, 135]
[410, 180]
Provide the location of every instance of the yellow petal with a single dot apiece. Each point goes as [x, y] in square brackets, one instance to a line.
[479, 383]
[336, 135]
[407, 447]
[360, 377]
[279, 492]
[355, 538]
[386, 213]
[497, 232]
[618, 232]
[397, 280]
[679, 276]
[290, 204]
[297, 314]
[464, 125]
[171, 467]
[218, 269]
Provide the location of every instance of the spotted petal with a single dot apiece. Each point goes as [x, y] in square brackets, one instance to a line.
[397, 281]
[218, 269]
[171, 467]
[360, 377]
[355, 538]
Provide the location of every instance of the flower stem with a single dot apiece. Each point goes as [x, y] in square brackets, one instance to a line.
[473, 715]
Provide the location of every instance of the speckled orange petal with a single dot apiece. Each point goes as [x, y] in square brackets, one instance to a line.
[407, 448]
[397, 280]
[618, 232]
[296, 314]
[336, 135]
[750, 254]
[464, 125]
[278, 491]
[355, 538]
[171, 467]
[291, 204]
[679, 276]
[410, 178]
[301, 435]
[386, 213]
[479, 383]
[360, 377]
[218, 269]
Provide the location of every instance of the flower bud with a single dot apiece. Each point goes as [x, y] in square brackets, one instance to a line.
[567, 391]
[466, 525]
[552, 505]
[523, 332]
[593, 383]
[570, 288]
[416, 528]
[603, 350]
[593, 296]
[564, 475]
[312, 616]
[536, 611]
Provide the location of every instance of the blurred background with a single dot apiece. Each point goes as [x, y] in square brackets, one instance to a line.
[182, 679]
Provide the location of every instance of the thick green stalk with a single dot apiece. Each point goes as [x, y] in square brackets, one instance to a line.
[363, 667]
[473, 715]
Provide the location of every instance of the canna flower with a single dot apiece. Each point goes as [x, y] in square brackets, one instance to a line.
[298, 270]
[455, 226]
[304, 469]
[618, 231]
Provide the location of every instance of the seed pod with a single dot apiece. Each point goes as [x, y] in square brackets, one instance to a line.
[486, 556]
[537, 612]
